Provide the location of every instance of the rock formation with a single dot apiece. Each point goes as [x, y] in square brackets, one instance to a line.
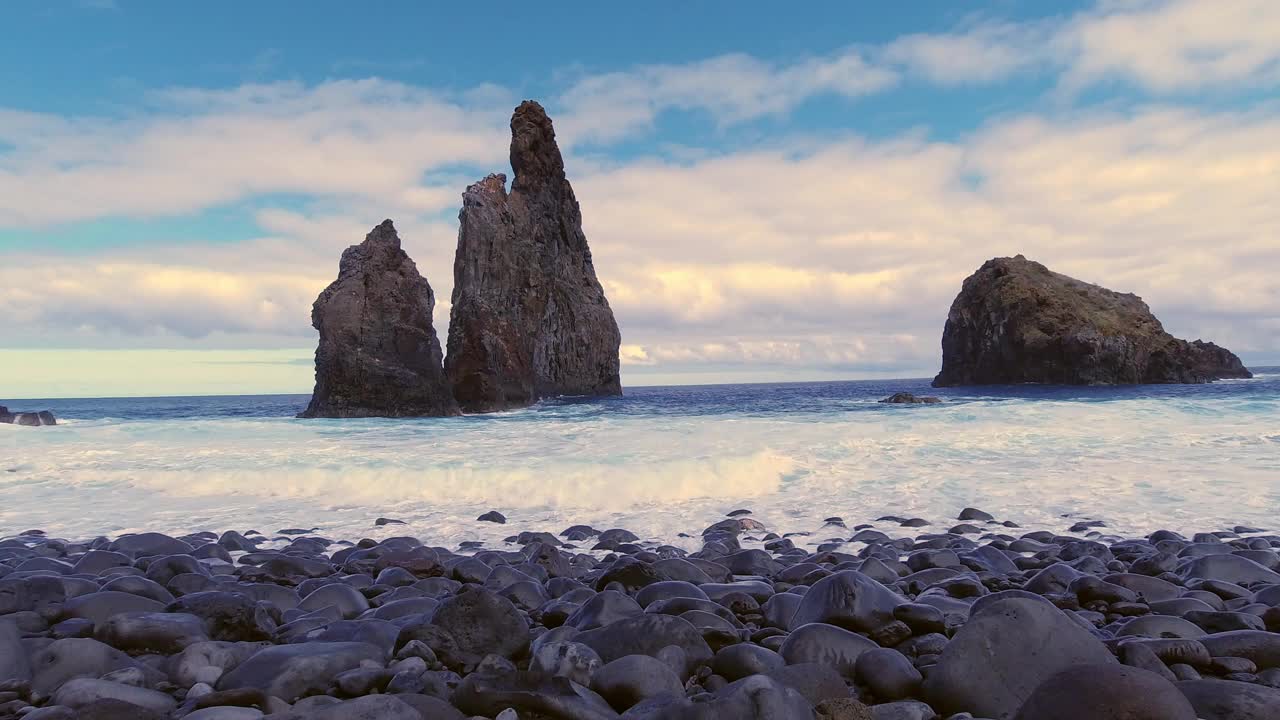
[529, 317]
[378, 355]
[906, 398]
[30, 419]
[1015, 321]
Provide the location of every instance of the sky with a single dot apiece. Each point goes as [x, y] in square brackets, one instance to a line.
[768, 195]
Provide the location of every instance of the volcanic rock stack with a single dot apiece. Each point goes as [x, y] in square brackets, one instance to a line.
[378, 355]
[1015, 321]
[529, 318]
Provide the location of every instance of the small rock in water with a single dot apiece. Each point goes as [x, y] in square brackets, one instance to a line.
[906, 398]
[387, 521]
[28, 419]
[493, 516]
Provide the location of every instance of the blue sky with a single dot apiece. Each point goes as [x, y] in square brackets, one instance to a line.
[768, 195]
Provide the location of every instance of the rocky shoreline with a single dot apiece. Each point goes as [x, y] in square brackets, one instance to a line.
[973, 619]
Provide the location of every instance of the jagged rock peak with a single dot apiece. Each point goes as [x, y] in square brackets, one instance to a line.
[378, 354]
[529, 318]
[1016, 321]
[535, 156]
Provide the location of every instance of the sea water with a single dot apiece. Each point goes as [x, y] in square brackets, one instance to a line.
[659, 461]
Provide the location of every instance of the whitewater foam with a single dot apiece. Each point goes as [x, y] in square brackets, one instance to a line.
[1192, 459]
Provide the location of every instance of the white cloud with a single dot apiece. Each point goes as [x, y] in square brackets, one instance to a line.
[982, 53]
[1175, 45]
[732, 88]
[1161, 46]
[198, 148]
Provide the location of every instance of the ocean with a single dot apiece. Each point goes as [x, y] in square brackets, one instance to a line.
[659, 461]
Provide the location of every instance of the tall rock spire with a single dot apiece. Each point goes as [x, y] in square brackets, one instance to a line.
[529, 317]
[378, 355]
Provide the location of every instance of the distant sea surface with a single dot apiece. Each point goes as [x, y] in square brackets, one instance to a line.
[659, 461]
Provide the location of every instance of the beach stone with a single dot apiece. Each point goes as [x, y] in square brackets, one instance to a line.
[229, 616]
[757, 696]
[493, 516]
[483, 623]
[43, 594]
[165, 633]
[826, 644]
[1231, 700]
[149, 543]
[225, 713]
[14, 664]
[531, 693]
[887, 673]
[850, 600]
[815, 681]
[347, 599]
[842, 709]
[647, 635]
[902, 710]
[379, 633]
[1228, 568]
[1161, 626]
[666, 589]
[571, 660]
[207, 661]
[603, 609]
[101, 606]
[1106, 692]
[371, 707]
[293, 671]
[1258, 646]
[164, 569]
[79, 692]
[70, 658]
[735, 662]
[138, 585]
[997, 659]
[633, 678]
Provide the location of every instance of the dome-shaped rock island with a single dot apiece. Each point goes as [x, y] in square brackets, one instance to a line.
[1015, 321]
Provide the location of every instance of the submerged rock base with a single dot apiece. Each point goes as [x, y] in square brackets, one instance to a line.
[979, 620]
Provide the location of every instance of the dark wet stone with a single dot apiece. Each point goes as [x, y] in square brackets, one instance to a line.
[1106, 692]
[758, 696]
[100, 606]
[165, 633]
[735, 662]
[293, 671]
[530, 694]
[1004, 653]
[62, 660]
[646, 635]
[848, 599]
[1230, 700]
[888, 674]
[603, 609]
[230, 616]
[826, 644]
[493, 516]
[483, 623]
